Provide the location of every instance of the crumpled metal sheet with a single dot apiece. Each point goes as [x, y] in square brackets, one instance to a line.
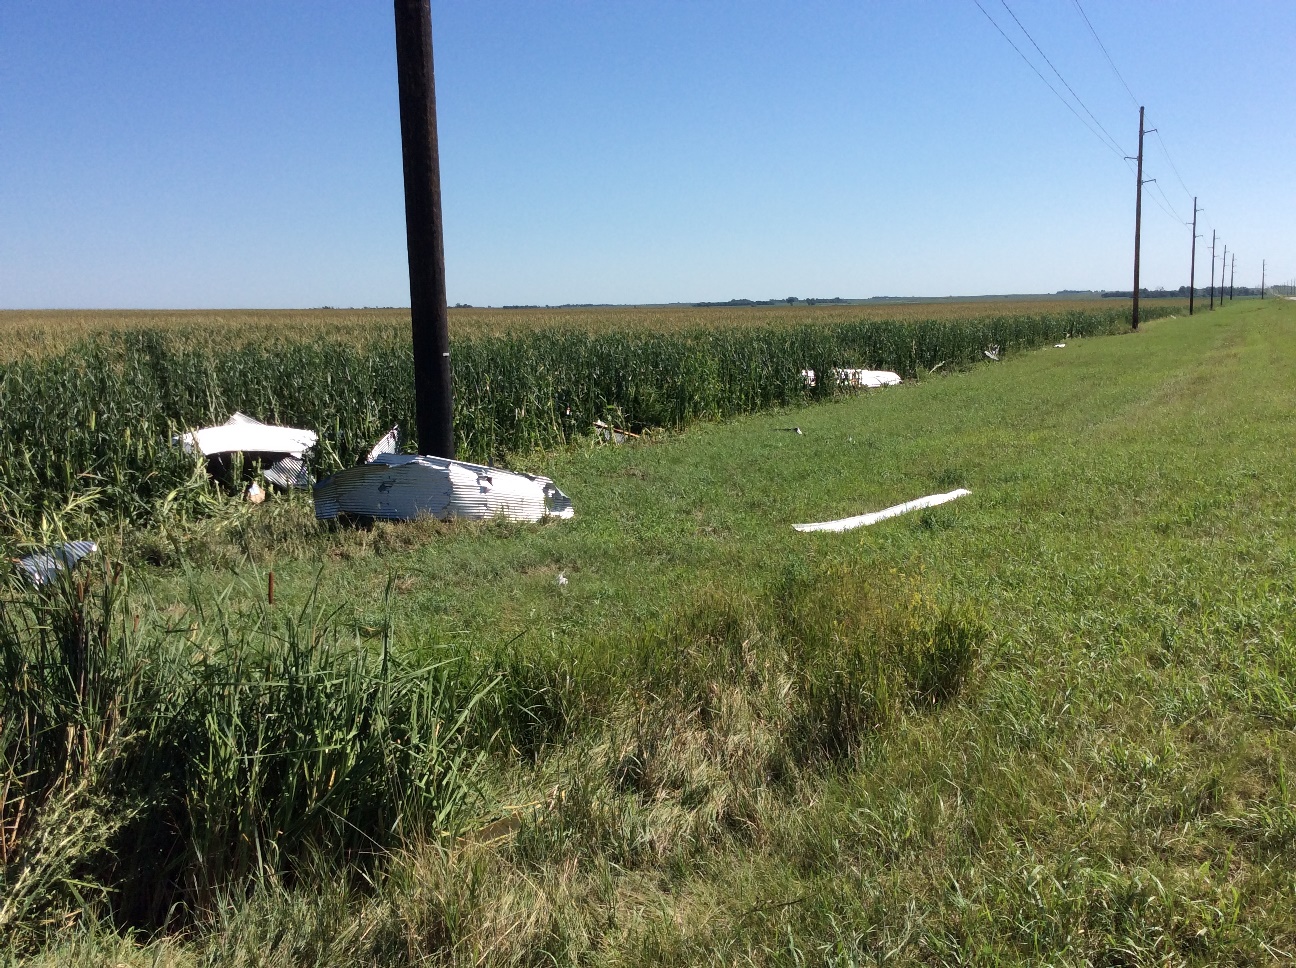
[288, 472]
[399, 487]
[42, 566]
[390, 444]
[242, 433]
[281, 450]
[846, 524]
[848, 376]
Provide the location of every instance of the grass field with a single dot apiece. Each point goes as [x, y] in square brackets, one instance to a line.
[1054, 722]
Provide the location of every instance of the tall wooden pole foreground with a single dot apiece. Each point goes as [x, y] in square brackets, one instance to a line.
[1232, 273]
[1192, 264]
[433, 381]
[1138, 224]
[1262, 274]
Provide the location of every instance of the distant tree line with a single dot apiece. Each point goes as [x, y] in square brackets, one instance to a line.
[1203, 292]
[790, 300]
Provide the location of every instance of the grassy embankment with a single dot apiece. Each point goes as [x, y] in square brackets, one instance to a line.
[1051, 722]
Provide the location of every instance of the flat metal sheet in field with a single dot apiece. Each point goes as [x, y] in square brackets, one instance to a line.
[243, 434]
[848, 376]
[41, 566]
[399, 487]
[863, 520]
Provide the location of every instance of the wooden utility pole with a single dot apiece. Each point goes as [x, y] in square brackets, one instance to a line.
[1212, 289]
[1138, 222]
[1223, 267]
[1262, 274]
[1232, 273]
[430, 320]
[1192, 264]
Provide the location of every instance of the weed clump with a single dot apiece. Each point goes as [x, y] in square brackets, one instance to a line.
[697, 731]
[167, 765]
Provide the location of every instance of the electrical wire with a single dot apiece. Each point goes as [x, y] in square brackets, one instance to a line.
[1031, 65]
[1173, 166]
[1120, 77]
[1114, 142]
[1174, 211]
[1170, 210]
[1104, 50]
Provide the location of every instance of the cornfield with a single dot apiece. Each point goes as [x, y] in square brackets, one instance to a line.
[92, 425]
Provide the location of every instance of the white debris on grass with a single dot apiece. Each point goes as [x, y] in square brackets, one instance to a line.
[611, 435]
[281, 450]
[41, 566]
[863, 520]
[847, 376]
[390, 444]
[1059, 346]
[399, 487]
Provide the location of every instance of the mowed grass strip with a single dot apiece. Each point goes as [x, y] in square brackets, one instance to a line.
[1077, 751]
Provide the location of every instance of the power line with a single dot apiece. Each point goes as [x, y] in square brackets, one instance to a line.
[1104, 50]
[1031, 65]
[1169, 211]
[1060, 77]
[1120, 77]
[1166, 152]
[1173, 213]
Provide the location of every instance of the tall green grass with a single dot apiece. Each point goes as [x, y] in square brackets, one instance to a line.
[93, 424]
[163, 770]
[165, 762]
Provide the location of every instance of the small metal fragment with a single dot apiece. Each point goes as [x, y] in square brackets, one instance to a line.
[41, 566]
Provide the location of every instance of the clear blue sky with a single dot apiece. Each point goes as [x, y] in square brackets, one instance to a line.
[240, 153]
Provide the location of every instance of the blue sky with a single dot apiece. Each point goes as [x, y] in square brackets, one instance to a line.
[247, 154]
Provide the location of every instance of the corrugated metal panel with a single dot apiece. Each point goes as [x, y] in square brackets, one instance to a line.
[289, 472]
[42, 566]
[399, 487]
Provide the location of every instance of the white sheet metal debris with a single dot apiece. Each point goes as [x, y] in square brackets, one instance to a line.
[41, 566]
[610, 434]
[398, 487]
[847, 376]
[390, 444]
[281, 450]
[846, 524]
[993, 353]
[1059, 346]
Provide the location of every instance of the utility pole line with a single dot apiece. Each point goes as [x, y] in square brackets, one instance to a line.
[429, 317]
[1262, 274]
[1223, 266]
[1212, 288]
[1138, 220]
[1232, 273]
[1192, 265]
